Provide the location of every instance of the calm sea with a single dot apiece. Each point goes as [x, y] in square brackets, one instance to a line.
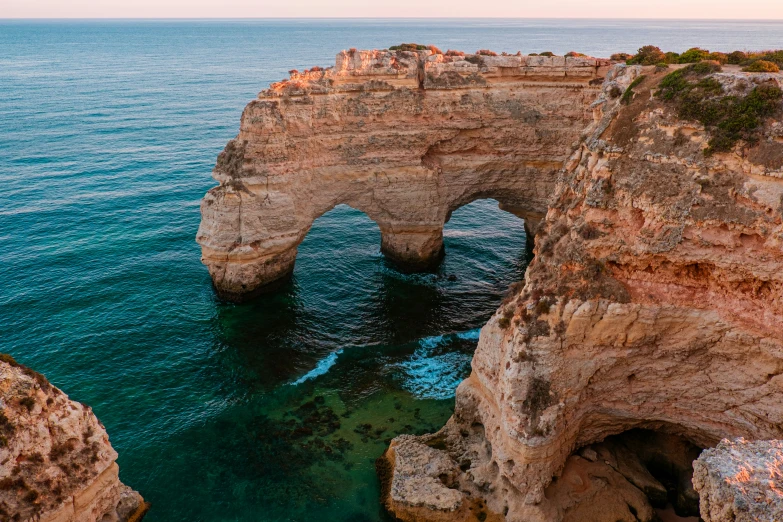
[273, 410]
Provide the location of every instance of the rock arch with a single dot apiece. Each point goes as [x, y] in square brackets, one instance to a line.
[406, 151]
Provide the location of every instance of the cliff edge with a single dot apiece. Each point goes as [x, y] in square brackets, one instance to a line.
[56, 463]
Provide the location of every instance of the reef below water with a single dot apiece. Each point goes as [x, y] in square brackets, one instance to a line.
[304, 388]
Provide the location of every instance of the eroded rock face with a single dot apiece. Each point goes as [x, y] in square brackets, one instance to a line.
[741, 481]
[56, 463]
[655, 301]
[407, 138]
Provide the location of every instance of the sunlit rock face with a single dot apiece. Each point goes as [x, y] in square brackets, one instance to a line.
[655, 301]
[407, 138]
[56, 463]
[741, 481]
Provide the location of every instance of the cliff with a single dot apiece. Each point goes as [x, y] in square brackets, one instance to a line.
[654, 302]
[56, 463]
[406, 137]
[649, 324]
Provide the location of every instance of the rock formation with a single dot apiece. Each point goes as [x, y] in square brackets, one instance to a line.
[406, 137]
[655, 301]
[741, 481]
[56, 463]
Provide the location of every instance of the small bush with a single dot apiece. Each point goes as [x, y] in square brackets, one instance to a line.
[721, 58]
[661, 66]
[628, 94]
[486, 52]
[546, 53]
[729, 119]
[434, 49]
[705, 67]
[452, 52]
[737, 57]
[648, 55]
[574, 54]
[693, 55]
[762, 66]
[621, 57]
[615, 91]
[408, 47]
[672, 57]
[533, 54]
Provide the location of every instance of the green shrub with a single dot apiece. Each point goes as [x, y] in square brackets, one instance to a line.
[661, 66]
[762, 66]
[408, 47]
[728, 119]
[737, 57]
[574, 54]
[546, 53]
[628, 95]
[648, 55]
[693, 55]
[533, 54]
[672, 57]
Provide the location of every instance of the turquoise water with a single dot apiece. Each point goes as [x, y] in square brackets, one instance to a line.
[273, 410]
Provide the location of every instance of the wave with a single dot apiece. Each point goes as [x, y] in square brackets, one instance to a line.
[321, 368]
[431, 375]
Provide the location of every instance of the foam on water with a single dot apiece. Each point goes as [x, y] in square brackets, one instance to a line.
[320, 369]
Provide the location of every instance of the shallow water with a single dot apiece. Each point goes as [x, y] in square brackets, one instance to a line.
[273, 410]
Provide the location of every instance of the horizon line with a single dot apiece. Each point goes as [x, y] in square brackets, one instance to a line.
[255, 18]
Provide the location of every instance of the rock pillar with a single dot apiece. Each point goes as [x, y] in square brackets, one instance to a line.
[413, 248]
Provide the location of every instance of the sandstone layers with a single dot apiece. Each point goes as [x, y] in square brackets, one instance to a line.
[655, 301]
[56, 463]
[405, 137]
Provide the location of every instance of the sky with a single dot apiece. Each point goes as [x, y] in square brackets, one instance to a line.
[703, 9]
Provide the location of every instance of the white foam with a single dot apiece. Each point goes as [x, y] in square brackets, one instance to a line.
[321, 368]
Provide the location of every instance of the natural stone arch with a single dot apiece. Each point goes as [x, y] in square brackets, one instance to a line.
[369, 133]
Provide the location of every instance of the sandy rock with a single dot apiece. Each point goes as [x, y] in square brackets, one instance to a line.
[741, 481]
[56, 463]
[405, 137]
[655, 301]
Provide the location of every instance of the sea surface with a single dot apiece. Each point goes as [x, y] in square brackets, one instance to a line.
[273, 410]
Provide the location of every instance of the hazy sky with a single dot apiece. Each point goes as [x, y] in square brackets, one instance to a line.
[731, 9]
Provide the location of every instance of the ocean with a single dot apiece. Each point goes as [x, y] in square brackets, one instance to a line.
[276, 409]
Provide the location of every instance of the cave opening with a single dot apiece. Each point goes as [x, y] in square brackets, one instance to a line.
[649, 475]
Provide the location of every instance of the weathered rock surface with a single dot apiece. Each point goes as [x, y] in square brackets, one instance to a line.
[655, 301]
[405, 137]
[56, 463]
[741, 481]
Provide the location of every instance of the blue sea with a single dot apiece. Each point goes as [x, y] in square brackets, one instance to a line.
[276, 409]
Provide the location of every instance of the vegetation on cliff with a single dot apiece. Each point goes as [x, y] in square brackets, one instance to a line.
[728, 118]
[760, 61]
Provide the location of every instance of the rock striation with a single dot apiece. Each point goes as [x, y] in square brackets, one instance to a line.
[655, 301]
[56, 463]
[406, 137]
[655, 298]
[741, 481]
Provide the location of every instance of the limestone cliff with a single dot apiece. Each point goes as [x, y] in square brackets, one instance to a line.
[56, 463]
[406, 137]
[655, 301]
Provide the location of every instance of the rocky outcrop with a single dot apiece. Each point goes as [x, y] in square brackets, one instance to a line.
[406, 137]
[56, 463]
[655, 301]
[741, 481]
